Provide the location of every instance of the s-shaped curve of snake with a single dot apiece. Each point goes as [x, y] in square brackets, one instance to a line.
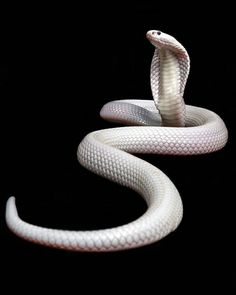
[166, 126]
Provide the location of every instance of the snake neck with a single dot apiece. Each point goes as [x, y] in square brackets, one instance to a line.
[166, 87]
[169, 73]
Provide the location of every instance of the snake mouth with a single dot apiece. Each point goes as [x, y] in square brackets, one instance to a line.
[150, 35]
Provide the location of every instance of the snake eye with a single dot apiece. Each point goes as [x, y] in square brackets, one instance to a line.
[158, 33]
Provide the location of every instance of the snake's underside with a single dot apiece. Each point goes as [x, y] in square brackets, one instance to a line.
[173, 129]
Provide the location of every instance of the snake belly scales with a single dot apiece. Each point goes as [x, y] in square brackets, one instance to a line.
[163, 126]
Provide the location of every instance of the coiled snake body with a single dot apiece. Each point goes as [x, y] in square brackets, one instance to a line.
[166, 126]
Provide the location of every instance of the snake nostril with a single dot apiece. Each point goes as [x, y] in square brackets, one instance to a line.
[153, 33]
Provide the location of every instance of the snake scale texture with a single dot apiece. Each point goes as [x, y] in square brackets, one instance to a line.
[163, 126]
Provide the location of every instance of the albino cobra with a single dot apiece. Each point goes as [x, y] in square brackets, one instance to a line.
[176, 130]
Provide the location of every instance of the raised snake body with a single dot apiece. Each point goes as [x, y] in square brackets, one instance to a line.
[167, 126]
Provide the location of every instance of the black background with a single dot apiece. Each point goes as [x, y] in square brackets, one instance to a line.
[59, 65]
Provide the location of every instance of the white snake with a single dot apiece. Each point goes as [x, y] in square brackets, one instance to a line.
[184, 130]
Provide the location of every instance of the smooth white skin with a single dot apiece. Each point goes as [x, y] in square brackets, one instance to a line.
[107, 153]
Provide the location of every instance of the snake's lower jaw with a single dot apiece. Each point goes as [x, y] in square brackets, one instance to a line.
[154, 43]
[151, 38]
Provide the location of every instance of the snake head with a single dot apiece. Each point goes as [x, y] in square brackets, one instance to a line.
[164, 41]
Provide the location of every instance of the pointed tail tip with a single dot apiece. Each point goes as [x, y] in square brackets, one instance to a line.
[11, 207]
[11, 200]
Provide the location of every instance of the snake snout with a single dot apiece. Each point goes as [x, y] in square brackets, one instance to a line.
[153, 34]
